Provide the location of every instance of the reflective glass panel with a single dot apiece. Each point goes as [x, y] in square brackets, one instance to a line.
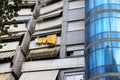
[101, 79]
[115, 24]
[100, 57]
[116, 55]
[91, 4]
[100, 2]
[114, 14]
[114, 1]
[108, 55]
[102, 25]
[102, 15]
[100, 70]
[92, 60]
[115, 43]
[91, 29]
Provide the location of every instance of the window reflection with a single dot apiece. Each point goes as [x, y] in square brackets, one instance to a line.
[115, 24]
[94, 6]
[114, 1]
[92, 60]
[116, 55]
[102, 25]
[100, 56]
[100, 2]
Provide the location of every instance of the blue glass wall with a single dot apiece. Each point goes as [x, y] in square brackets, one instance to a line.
[102, 38]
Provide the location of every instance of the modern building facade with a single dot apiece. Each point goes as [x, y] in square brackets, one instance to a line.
[63, 40]
[102, 40]
[48, 44]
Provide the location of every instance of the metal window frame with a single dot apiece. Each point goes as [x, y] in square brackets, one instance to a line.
[63, 73]
[73, 74]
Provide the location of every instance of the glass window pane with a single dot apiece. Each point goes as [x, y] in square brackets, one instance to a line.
[69, 77]
[115, 14]
[114, 1]
[100, 2]
[115, 43]
[102, 25]
[78, 77]
[101, 79]
[92, 60]
[102, 15]
[108, 55]
[100, 70]
[98, 26]
[91, 4]
[106, 26]
[100, 57]
[91, 29]
[116, 55]
[115, 27]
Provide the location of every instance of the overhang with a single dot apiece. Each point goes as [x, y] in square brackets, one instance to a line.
[42, 75]
[8, 54]
[6, 76]
[43, 53]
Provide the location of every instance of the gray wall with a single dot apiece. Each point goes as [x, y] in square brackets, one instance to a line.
[73, 25]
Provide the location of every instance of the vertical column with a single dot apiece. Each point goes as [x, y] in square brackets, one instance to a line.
[64, 30]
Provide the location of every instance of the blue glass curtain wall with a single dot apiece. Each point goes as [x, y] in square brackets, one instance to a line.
[102, 35]
[93, 6]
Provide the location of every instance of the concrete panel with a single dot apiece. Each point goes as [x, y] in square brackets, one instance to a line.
[75, 37]
[7, 46]
[5, 67]
[76, 14]
[54, 23]
[25, 43]
[76, 4]
[51, 8]
[53, 64]
[33, 44]
[76, 25]
[78, 53]
[75, 47]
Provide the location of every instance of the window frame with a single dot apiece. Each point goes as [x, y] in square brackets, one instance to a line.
[63, 73]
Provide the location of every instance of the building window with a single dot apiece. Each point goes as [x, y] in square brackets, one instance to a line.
[73, 76]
